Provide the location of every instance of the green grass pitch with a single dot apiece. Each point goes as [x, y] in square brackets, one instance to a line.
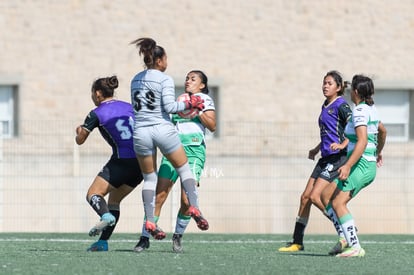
[48, 253]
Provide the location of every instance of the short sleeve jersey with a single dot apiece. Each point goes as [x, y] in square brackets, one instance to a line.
[332, 121]
[365, 115]
[153, 98]
[114, 120]
[192, 131]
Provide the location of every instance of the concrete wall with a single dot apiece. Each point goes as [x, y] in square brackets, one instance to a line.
[267, 55]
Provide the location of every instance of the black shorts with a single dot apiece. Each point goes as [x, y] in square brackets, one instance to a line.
[122, 171]
[327, 167]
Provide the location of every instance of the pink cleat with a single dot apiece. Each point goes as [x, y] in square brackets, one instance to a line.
[154, 230]
[202, 223]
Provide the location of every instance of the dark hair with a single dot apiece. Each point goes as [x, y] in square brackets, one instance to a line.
[204, 80]
[106, 85]
[149, 49]
[365, 88]
[338, 80]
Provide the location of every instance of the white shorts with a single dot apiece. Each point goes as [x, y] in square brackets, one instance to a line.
[163, 136]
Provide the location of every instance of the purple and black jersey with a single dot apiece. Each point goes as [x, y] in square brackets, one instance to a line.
[114, 120]
[332, 122]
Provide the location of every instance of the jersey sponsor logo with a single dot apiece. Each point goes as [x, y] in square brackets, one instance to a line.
[359, 119]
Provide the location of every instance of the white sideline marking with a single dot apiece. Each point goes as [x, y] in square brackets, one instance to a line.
[191, 241]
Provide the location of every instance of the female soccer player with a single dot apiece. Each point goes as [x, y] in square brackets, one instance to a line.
[121, 174]
[366, 136]
[153, 98]
[192, 135]
[332, 121]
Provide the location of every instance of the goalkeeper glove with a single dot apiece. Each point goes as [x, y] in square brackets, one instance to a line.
[194, 102]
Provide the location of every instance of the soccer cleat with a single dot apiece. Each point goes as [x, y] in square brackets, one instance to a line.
[154, 230]
[352, 252]
[143, 244]
[292, 247]
[339, 247]
[176, 239]
[107, 219]
[101, 245]
[202, 223]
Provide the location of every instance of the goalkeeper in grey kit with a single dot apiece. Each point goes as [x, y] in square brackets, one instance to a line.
[153, 98]
[192, 135]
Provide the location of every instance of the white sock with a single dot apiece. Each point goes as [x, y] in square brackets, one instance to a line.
[181, 224]
[348, 227]
[188, 183]
[148, 195]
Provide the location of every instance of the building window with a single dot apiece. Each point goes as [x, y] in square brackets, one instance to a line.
[394, 109]
[214, 94]
[395, 103]
[8, 110]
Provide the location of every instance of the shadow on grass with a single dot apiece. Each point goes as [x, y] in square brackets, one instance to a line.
[306, 254]
[55, 250]
[111, 250]
[146, 251]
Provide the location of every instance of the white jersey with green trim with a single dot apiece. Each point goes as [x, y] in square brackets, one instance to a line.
[192, 131]
[366, 115]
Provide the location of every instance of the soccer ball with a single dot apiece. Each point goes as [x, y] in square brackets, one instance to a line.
[192, 113]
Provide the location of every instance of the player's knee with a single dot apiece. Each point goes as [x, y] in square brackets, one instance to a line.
[304, 199]
[336, 204]
[161, 198]
[314, 198]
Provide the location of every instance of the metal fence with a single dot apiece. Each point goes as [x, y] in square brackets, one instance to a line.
[254, 175]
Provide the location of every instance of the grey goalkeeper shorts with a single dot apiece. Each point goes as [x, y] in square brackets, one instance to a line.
[163, 136]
